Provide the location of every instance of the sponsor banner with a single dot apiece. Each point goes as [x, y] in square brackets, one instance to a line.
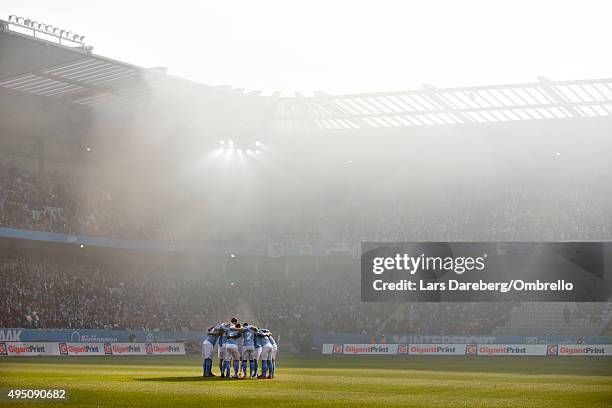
[406, 338]
[165, 348]
[81, 349]
[584, 350]
[127, 336]
[435, 349]
[369, 348]
[125, 349]
[507, 349]
[29, 349]
[89, 349]
[471, 349]
[99, 336]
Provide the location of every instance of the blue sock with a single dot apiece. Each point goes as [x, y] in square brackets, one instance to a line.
[255, 367]
[205, 366]
[269, 367]
[251, 368]
[236, 367]
[244, 367]
[264, 367]
[227, 368]
[273, 365]
[221, 367]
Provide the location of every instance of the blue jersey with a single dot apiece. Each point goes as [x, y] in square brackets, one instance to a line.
[232, 336]
[263, 337]
[249, 337]
[256, 341]
[222, 327]
[211, 339]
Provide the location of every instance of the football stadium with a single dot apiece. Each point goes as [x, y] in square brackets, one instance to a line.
[169, 243]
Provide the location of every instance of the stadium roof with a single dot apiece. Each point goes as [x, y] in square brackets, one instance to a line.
[62, 85]
[545, 99]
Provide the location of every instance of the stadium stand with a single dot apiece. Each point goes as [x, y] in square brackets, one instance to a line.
[76, 295]
[71, 294]
[57, 202]
[537, 318]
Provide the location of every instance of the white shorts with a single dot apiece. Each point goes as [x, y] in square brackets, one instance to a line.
[248, 353]
[207, 349]
[231, 351]
[221, 352]
[266, 352]
[257, 353]
[274, 350]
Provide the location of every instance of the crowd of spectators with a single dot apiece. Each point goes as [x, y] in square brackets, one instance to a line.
[330, 303]
[59, 202]
[48, 293]
[51, 294]
[535, 211]
[587, 311]
[33, 202]
[492, 212]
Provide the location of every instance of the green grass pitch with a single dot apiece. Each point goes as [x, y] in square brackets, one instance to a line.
[154, 381]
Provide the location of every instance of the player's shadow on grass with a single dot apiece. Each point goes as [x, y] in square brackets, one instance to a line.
[181, 379]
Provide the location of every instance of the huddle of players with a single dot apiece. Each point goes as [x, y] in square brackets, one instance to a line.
[240, 344]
